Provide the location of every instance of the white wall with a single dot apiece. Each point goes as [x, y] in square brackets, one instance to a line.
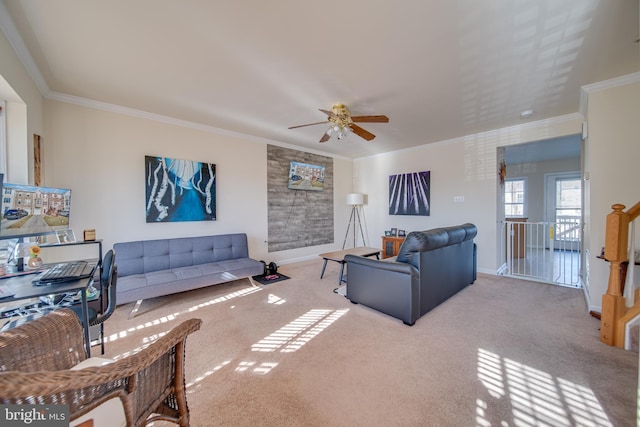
[20, 91]
[613, 144]
[100, 155]
[464, 167]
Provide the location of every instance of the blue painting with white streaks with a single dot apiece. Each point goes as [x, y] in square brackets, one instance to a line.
[179, 190]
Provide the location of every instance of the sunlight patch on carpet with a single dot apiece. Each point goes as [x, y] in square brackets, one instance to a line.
[537, 398]
[290, 337]
[261, 369]
[275, 300]
[297, 333]
[223, 298]
[206, 374]
[164, 319]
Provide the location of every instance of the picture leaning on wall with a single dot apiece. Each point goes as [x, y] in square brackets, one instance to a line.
[409, 194]
[179, 190]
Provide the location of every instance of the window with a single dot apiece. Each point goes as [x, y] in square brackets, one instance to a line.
[568, 198]
[568, 208]
[514, 198]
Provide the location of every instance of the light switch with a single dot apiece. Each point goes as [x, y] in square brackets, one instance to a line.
[458, 199]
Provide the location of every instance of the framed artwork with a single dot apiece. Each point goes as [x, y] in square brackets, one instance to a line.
[402, 233]
[394, 232]
[179, 190]
[66, 236]
[387, 233]
[409, 194]
[303, 176]
[37, 160]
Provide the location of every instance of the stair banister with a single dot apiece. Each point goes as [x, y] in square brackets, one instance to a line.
[616, 252]
[629, 287]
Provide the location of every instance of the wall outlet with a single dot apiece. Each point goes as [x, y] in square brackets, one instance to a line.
[458, 199]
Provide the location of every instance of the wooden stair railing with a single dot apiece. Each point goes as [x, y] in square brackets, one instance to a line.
[614, 312]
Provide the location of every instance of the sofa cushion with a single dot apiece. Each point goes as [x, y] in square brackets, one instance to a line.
[420, 241]
[163, 254]
[152, 268]
[159, 283]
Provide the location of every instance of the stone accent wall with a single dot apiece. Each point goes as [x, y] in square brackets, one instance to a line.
[297, 218]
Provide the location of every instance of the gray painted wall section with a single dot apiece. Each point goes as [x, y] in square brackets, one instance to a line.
[297, 218]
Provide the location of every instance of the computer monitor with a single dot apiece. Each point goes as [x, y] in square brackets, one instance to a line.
[33, 211]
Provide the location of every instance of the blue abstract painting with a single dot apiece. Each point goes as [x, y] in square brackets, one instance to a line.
[179, 190]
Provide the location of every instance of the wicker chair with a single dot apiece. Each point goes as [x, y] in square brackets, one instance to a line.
[35, 362]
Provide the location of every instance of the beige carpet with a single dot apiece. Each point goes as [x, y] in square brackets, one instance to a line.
[502, 352]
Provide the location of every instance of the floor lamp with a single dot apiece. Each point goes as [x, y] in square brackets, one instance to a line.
[355, 200]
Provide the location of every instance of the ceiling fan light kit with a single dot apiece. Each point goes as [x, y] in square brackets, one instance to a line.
[342, 123]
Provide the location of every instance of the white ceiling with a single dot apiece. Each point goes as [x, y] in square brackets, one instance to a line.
[439, 69]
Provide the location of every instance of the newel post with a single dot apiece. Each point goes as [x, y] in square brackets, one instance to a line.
[615, 251]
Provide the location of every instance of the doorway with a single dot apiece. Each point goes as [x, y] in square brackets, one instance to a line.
[564, 208]
[544, 241]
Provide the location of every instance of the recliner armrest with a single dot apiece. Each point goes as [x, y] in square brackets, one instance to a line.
[398, 267]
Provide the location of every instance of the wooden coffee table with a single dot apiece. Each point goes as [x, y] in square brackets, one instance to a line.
[338, 256]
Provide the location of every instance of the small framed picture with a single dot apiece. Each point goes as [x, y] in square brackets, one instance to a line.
[387, 233]
[66, 236]
[402, 233]
[48, 239]
[394, 232]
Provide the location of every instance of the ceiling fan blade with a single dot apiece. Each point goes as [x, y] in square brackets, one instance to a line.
[361, 132]
[328, 113]
[370, 119]
[309, 124]
[325, 137]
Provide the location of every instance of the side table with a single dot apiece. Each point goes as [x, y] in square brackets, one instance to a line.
[391, 246]
[338, 256]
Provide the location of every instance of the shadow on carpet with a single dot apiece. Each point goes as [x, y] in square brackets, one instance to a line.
[270, 278]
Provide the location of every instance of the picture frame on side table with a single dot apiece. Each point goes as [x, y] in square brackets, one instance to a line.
[387, 233]
[66, 236]
[402, 233]
[394, 232]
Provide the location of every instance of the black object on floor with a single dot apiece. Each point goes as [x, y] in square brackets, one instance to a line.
[270, 278]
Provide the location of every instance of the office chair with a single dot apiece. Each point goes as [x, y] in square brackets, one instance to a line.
[108, 279]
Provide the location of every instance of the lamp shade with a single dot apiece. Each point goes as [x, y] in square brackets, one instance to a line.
[355, 199]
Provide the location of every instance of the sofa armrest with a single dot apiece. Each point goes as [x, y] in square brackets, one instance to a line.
[398, 267]
[390, 287]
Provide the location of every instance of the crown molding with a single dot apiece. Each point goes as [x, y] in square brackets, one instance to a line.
[611, 83]
[605, 84]
[10, 31]
[492, 133]
[118, 109]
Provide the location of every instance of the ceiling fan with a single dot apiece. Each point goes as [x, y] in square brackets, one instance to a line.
[342, 123]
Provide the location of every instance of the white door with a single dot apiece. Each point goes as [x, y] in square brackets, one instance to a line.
[564, 208]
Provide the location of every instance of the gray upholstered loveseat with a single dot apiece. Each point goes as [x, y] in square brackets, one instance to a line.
[431, 266]
[153, 268]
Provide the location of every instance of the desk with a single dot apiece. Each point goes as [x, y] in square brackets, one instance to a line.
[22, 288]
[338, 256]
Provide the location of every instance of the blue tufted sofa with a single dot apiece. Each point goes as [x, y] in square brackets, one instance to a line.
[431, 266]
[153, 268]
